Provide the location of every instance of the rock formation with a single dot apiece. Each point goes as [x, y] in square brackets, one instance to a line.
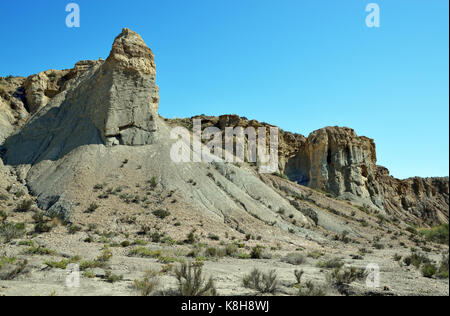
[336, 160]
[115, 102]
[112, 102]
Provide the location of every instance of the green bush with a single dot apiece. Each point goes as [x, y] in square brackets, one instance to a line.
[256, 252]
[437, 234]
[294, 258]
[331, 264]
[416, 259]
[147, 285]
[308, 289]
[261, 282]
[429, 270]
[3, 216]
[443, 269]
[39, 251]
[92, 208]
[10, 231]
[24, 206]
[162, 214]
[192, 283]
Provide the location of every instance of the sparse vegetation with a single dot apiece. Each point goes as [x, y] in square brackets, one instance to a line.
[161, 214]
[148, 284]
[429, 270]
[191, 281]
[416, 259]
[10, 231]
[24, 206]
[294, 258]
[257, 252]
[92, 208]
[261, 282]
[307, 289]
[342, 278]
[437, 234]
[334, 263]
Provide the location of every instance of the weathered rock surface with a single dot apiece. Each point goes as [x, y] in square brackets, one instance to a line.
[336, 160]
[41, 88]
[417, 200]
[113, 102]
[13, 112]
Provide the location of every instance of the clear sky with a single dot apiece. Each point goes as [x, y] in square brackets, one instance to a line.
[298, 64]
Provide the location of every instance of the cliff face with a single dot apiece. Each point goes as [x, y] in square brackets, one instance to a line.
[418, 200]
[336, 160]
[112, 102]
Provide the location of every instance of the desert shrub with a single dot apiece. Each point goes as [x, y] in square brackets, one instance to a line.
[19, 267]
[307, 289]
[38, 250]
[3, 216]
[213, 236]
[156, 237]
[99, 262]
[315, 254]
[298, 275]
[231, 250]
[125, 244]
[105, 256]
[397, 257]
[344, 237]
[342, 278]
[443, 269]
[153, 182]
[256, 253]
[416, 259]
[429, 270]
[192, 283]
[24, 206]
[41, 225]
[148, 284]
[437, 234]
[73, 229]
[261, 282]
[10, 231]
[144, 253]
[63, 263]
[161, 214]
[331, 264]
[191, 237]
[92, 208]
[98, 187]
[412, 230]
[112, 278]
[294, 259]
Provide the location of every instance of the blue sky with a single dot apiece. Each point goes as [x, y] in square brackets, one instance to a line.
[301, 65]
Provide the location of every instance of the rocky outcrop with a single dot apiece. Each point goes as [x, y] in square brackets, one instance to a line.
[416, 200]
[41, 88]
[132, 96]
[288, 143]
[13, 112]
[112, 102]
[336, 160]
